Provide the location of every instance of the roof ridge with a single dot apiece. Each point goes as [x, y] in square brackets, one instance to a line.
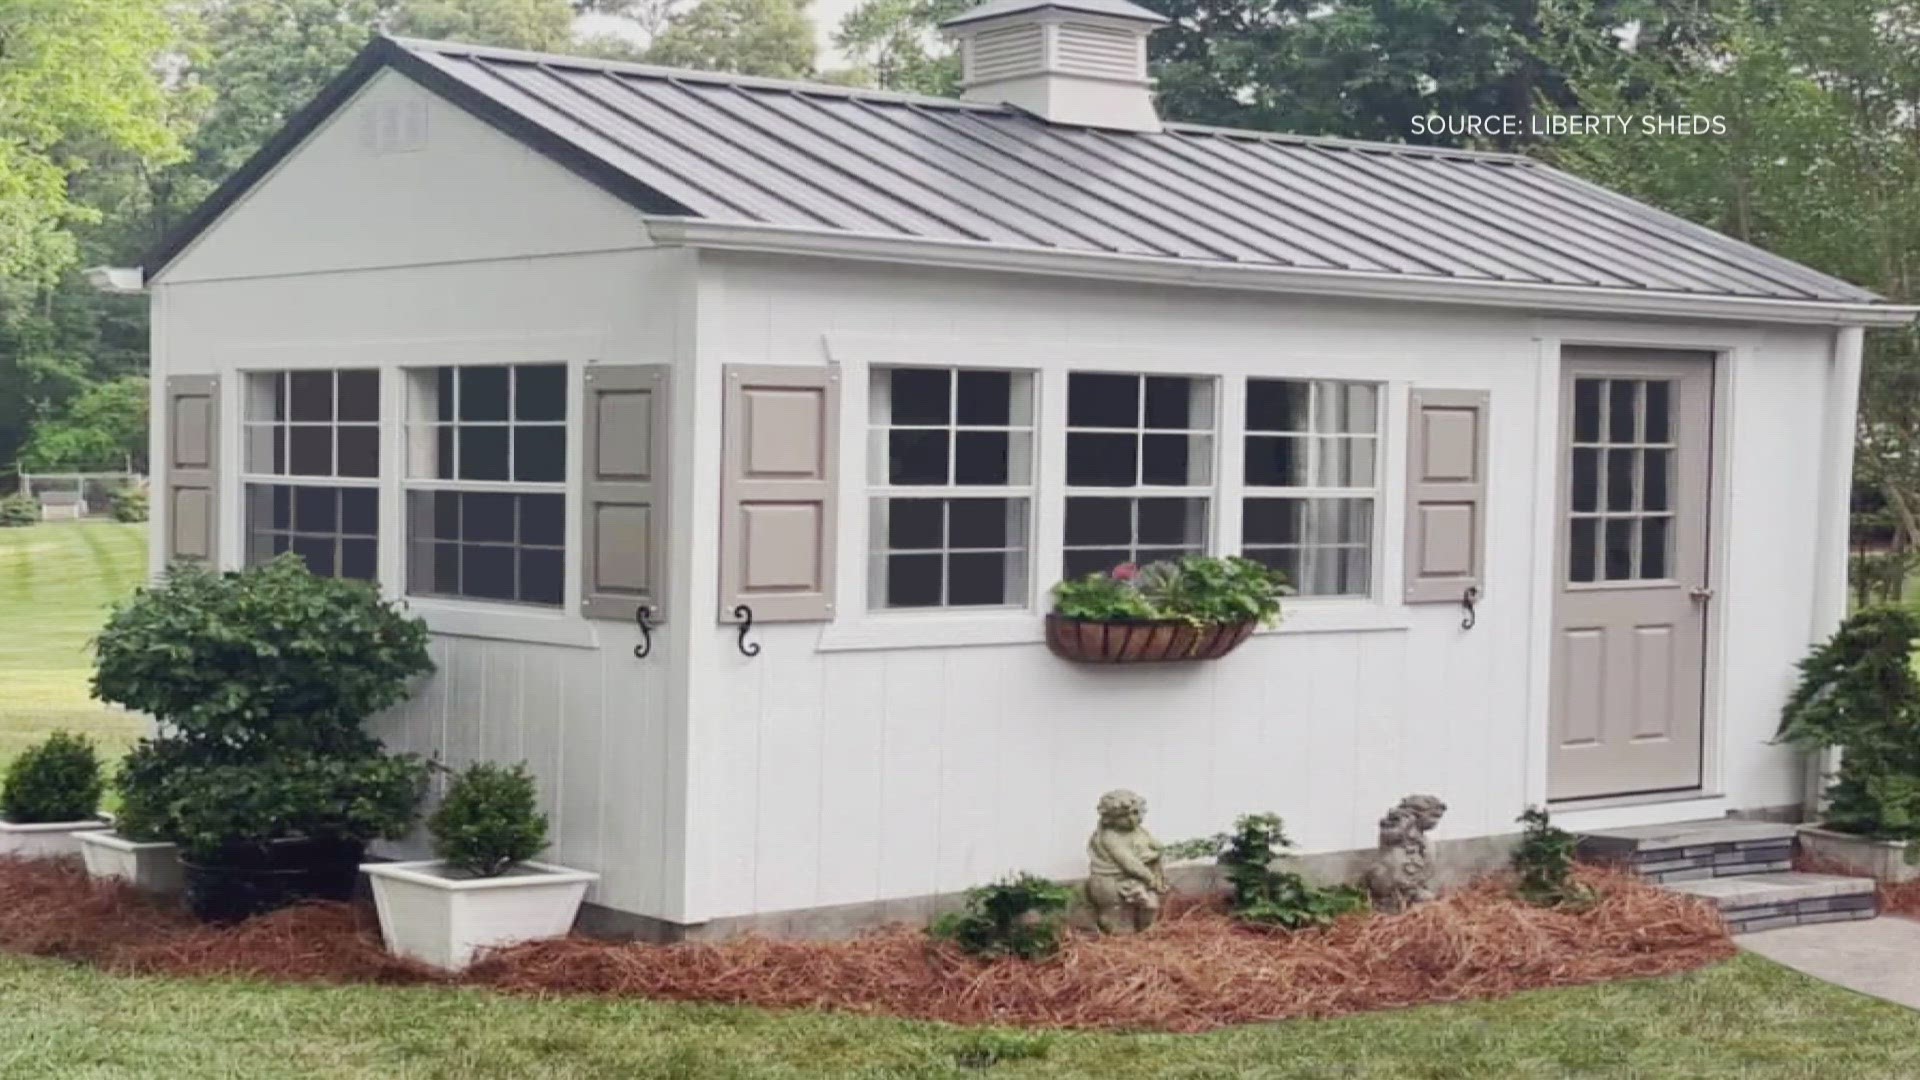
[656, 71]
[1374, 146]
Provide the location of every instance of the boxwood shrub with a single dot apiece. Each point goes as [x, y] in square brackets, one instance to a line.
[57, 779]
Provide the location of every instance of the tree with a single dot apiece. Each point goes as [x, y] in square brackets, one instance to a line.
[103, 427]
[773, 38]
[896, 45]
[541, 25]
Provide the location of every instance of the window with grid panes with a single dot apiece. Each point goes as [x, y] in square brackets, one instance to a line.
[1312, 476]
[1621, 490]
[311, 469]
[950, 484]
[486, 482]
[1139, 469]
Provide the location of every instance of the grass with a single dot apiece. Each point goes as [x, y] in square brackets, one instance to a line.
[1746, 1018]
[56, 583]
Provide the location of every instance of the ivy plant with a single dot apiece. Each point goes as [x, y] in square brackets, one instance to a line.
[490, 820]
[57, 779]
[1858, 692]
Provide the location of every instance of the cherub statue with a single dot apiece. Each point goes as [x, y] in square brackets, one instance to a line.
[1124, 879]
[1402, 874]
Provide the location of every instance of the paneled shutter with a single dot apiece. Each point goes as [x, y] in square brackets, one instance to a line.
[1446, 494]
[192, 460]
[623, 498]
[779, 470]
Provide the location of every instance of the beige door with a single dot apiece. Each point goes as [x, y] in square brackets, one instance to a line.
[1629, 644]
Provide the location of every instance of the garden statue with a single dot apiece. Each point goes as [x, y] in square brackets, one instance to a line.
[1402, 873]
[1124, 879]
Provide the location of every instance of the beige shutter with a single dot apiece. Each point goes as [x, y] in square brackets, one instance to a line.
[1446, 494]
[192, 461]
[778, 474]
[623, 497]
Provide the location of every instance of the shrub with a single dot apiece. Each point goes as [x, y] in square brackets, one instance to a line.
[1858, 692]
[1544, 861]
[57, 779]
[271, 656]
[18, 511]
[144, 784]
[211, 808]
[1197, 589]
[490, 820]
[128, 503]
[1261, 894]
[1020, 915]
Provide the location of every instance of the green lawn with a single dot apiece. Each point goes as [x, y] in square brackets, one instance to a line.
[56, 582]
[1746, 1018]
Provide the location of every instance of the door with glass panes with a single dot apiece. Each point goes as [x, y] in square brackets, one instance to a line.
[1630, 611]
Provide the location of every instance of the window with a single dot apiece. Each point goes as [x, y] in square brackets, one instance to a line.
[1319, 443]
[486, 482]
[1621, 527]
[311, 469]
[950, 476]
[1139, 469]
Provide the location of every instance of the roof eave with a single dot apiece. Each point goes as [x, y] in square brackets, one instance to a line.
[962, 254]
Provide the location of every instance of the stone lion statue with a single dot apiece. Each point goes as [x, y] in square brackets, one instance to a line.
[1124, 877]
[1402, 873]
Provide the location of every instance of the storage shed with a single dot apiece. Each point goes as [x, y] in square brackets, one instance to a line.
[834, 384]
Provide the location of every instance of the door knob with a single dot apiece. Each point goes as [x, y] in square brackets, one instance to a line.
[1700, 592]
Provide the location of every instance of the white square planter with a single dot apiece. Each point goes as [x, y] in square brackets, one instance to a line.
[432, 914]
[46, 840]
[154, 867]
[1882, 860]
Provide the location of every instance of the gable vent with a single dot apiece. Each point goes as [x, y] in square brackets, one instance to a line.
[1005, 52]
[1085, 49]
[393, 127]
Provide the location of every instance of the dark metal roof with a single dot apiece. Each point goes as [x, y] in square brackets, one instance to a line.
[802, 156]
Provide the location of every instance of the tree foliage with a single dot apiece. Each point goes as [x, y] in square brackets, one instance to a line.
[773, 38]
[102, 427]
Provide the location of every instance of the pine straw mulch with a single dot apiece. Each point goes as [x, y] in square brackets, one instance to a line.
[1195, 971]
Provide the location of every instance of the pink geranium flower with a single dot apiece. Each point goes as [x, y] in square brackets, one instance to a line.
[1126, 571]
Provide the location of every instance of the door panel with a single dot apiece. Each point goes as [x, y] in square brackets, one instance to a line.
[1629, 645]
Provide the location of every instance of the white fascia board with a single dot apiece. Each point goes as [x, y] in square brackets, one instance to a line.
[1356, 284]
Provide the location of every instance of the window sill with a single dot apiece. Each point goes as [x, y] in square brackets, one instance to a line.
[501, 623]
[936, 631]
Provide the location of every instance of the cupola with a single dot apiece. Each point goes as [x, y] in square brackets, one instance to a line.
[1080, 62]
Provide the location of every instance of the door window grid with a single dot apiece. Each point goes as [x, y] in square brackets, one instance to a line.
[323, 424]
[1623, 455]
[485, 490]
[1151, 436]
[950, 480]
[320, 423]
[1318, 441]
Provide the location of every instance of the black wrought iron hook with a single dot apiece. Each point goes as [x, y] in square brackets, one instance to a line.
[643, 615]
[745, 615]
[1467, 600]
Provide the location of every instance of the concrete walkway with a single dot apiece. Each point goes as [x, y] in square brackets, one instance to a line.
[1875, 957]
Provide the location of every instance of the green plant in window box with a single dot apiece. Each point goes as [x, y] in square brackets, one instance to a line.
[1196, 607]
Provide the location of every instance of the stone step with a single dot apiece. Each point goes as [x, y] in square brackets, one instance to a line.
[1694, 850]
[1769, 901]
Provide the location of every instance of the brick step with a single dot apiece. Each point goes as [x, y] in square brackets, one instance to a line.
[1769, 901]
[1694, 850]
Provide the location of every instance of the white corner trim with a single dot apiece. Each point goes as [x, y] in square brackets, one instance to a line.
[498, 622]
[1107, 266]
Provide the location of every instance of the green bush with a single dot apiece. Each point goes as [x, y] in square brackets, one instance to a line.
[269, 656]
[1197, 589]
[1263, 895]
[57, 779]
[1544, 861]
[18, 511]
[128, 503]
[145, 786]
[1020, 915]
[212, 808]
[490, 820]
[1858, 692]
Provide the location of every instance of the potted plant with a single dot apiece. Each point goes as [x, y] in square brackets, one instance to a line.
[132, 850]
[1858, 693]
[483, 891]
[1197, 608]
[263, 775]
[51, 796]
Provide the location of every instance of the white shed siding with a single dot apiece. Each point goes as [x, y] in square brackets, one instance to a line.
[855, 774]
